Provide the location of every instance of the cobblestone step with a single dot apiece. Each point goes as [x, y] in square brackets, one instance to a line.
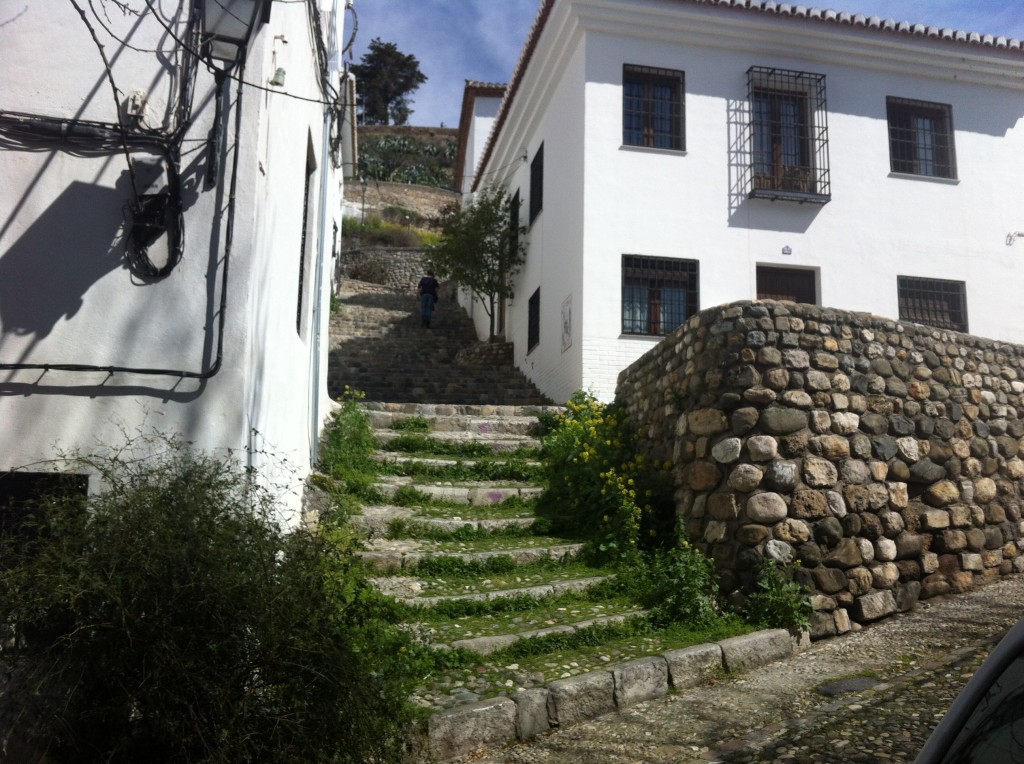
[379, 347]
[396, 585]
[487, 645]
[398, 555]
[471, 493]
[497, 442]
[375, 521]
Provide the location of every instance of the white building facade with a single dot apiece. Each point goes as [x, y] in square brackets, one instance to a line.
[672, 155]
[168, 225]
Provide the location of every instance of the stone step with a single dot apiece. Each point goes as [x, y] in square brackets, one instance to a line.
[484, 425]
[401, 587]
[402, 557]
[497, 442]
[397, 458]
[474, 494]
[375, 521]
[491, 644]
[378, 346]
[430, 410]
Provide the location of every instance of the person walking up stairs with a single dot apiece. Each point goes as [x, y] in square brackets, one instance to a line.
[378, 346]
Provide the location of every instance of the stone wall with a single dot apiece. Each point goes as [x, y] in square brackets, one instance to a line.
[398, 268]
[880, 456]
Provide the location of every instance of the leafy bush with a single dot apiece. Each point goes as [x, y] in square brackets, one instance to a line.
[681, 588]
[169, 618]
[598, 487]
[412, 424]
[376, 232]
[778, 601]
[348, 442]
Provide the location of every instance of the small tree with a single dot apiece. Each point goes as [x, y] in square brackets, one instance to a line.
[481, 247]
[385, 77]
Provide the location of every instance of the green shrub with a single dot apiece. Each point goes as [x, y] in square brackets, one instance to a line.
[681, 588]
[412, 424]
[374, 232]
[777, 601]
[347, 446]
[169, 619]
[598, 487]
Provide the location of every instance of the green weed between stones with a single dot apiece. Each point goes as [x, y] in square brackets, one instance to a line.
[412, 424]
[777, 600]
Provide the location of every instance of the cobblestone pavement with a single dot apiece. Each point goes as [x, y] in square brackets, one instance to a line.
[872, 697]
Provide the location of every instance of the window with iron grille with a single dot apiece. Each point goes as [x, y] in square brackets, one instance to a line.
[933, 302]
[793, 284]
[652, 107]
[658, 293]
[537, 183]
[920, 138]
[788, 135]
[533, 321]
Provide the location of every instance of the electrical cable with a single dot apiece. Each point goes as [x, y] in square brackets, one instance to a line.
[114, 91]
[222, 309]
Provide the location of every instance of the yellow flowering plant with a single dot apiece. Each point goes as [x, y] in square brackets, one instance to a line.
[599, 487]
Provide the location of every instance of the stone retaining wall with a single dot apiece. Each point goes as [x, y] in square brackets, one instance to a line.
[398, 268]
[881, 457]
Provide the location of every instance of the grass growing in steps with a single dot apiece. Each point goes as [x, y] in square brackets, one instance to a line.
[513, 614]
[538, 573]
[483, 541]
[459, 471]
[513, 506]
[422, 445]
[537, 661]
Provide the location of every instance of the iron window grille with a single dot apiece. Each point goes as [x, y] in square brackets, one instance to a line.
[788, 135]
[792, 284]
[658, 293]
[533, 321]
[537, 183]
[514, 221]
[933, 302]
[652, 107]
[920, 138]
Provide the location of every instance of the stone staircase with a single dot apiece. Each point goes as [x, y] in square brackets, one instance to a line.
[378, 346]
[540, 637]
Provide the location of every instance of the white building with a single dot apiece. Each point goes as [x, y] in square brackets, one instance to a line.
[671, 155]
[165, 251]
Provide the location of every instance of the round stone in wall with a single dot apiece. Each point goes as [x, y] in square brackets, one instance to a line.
[745, 478]
[727, 451]
[766, 508]
[819, 473]
[762, 448]
[780, 551]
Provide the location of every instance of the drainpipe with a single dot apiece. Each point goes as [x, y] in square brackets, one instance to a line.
[321, 246]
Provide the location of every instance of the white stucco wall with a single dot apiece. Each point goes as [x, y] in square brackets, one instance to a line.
[687, 204]
[66, 296]
[485, 109]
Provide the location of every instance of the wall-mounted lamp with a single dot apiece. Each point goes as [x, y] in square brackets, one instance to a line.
[278, 79]
[227, 27]
[1012, 237]
[787, 250]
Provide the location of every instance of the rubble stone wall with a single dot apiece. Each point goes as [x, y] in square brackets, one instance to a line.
[881, 457]
[397, 268]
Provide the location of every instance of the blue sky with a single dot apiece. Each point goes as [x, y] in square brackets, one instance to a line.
[456, 40]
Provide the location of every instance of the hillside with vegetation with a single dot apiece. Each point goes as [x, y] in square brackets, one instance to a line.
[403, 154]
